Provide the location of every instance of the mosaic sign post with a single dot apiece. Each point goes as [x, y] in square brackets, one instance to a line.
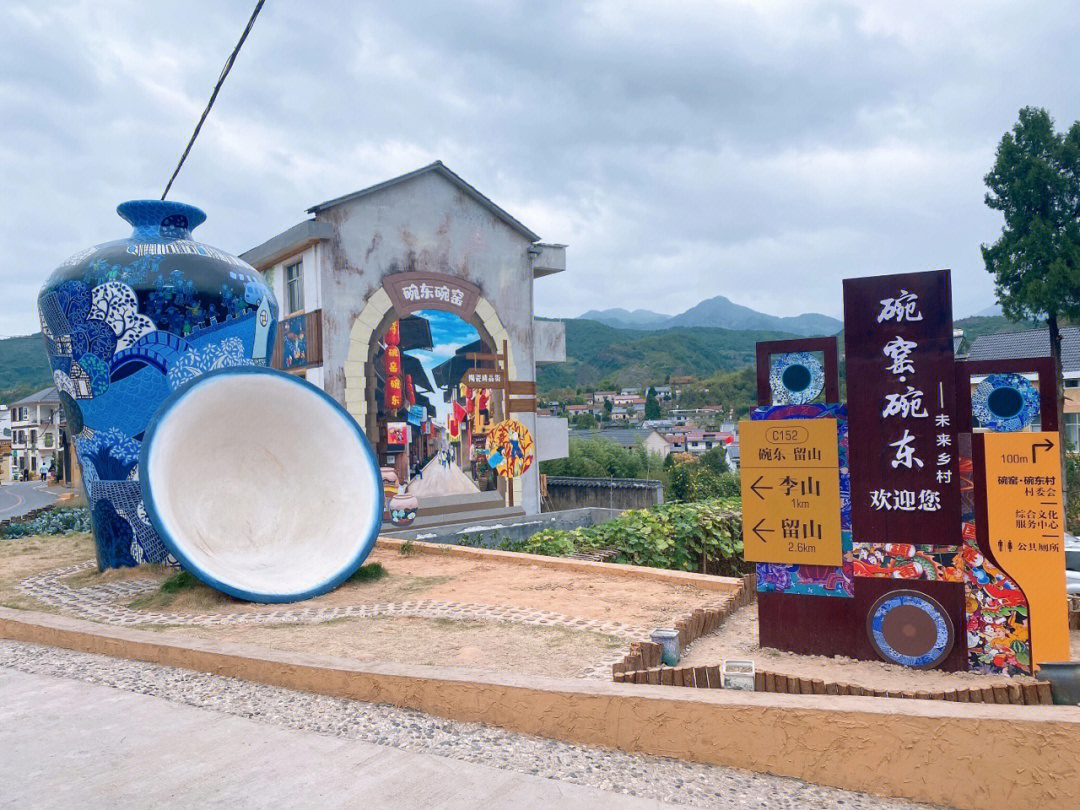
[950, 551]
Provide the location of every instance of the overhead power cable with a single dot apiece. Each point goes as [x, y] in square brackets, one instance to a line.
[213, 96]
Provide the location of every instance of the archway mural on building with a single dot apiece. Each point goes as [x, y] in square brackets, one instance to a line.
[401, 295]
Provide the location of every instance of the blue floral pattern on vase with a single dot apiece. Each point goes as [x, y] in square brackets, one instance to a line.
[125, 323]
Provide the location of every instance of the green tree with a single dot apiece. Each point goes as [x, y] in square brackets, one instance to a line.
[599, 458]
[1035, 183]
[585, 421]
[607, 409]
[715, 459]
[652, 406]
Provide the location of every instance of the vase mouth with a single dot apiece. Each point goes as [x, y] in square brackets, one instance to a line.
[161, 219]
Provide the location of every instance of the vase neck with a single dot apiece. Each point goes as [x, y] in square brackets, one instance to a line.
[161, 219]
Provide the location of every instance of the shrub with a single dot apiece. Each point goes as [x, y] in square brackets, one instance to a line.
[184, 581]
[368, 573]
[692, 479]
[53, 522]
[599, 458]
[705, 537]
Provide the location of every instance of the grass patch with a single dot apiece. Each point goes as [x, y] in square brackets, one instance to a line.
[184, 581]
[369, 573]
[407, 549]
[186, 589]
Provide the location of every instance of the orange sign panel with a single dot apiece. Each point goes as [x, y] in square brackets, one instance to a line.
[791, 491]
[1026, 523]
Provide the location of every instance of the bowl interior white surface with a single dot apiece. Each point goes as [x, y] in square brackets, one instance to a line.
[262, 484]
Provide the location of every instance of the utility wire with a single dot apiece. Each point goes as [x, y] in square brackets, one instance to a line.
[213, 96]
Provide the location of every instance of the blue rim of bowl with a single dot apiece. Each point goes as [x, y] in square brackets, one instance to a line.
[373, 523]
[781, 394]
[1029, 410]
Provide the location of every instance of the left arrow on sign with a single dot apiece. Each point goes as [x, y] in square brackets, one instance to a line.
[758, 530]
[754, 487]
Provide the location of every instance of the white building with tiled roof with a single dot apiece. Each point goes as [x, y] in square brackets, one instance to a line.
[35, 433]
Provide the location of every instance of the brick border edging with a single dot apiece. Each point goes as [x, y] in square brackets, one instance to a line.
[708, 677]
[645, 655]
[641, 665]
[1031, 748]
[706, 582]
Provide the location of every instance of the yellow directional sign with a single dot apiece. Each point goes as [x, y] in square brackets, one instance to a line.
[791, 491]
[786, 443]
[1026, 524]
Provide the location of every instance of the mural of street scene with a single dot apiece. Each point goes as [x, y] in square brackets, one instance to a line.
[433, 428]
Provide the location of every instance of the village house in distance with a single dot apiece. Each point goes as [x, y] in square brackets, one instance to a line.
[393, 295]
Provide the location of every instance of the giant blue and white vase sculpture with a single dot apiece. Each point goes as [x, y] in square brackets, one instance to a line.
[125, 324]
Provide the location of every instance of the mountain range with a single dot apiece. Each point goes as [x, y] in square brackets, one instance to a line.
[720, 313]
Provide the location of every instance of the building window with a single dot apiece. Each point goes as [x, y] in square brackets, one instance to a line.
[1072, 431]
[294, 286]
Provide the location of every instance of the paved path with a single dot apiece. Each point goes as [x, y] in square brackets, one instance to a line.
[441, 479]
[79, 730]
[17, 499]
[71, 744]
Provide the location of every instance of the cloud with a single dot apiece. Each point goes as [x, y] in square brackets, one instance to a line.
[761, 151]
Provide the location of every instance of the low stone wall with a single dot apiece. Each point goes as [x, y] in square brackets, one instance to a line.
[608, 493]
[971, 757]
[491, 533]
[61, 500]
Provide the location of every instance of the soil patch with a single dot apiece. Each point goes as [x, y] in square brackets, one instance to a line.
[24, 557]
[454, 579]
[737, 638]
[494, 646]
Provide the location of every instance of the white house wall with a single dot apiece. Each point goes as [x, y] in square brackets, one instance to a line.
[275, 276]
[426, 224]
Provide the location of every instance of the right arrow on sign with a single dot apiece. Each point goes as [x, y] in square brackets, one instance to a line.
[1047, 446]
[754, 487]
[758, 530]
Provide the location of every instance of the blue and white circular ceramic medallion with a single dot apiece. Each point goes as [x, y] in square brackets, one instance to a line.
[1005, 403]
[910, 628]
[795, 378]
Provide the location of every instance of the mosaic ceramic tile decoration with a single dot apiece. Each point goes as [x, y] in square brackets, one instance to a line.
[795, 378]
[1005, 402]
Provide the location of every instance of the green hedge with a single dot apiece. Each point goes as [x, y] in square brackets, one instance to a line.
[704, 537]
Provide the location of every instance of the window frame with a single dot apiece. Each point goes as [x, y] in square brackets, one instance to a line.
[298, 265]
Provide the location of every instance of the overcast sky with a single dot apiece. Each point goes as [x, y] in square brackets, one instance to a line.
[762, 151]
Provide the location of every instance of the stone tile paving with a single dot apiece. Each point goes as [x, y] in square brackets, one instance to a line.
[648, 777]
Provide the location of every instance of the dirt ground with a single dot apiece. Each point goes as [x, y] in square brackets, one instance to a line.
[454, 579]
[737, 638]
[494, 646]
[25, 556]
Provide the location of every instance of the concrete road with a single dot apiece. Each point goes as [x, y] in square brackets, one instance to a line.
[16, 499]
[67, 744]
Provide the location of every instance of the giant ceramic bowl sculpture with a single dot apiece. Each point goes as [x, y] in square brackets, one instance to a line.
[261, 485]
[125, 324]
